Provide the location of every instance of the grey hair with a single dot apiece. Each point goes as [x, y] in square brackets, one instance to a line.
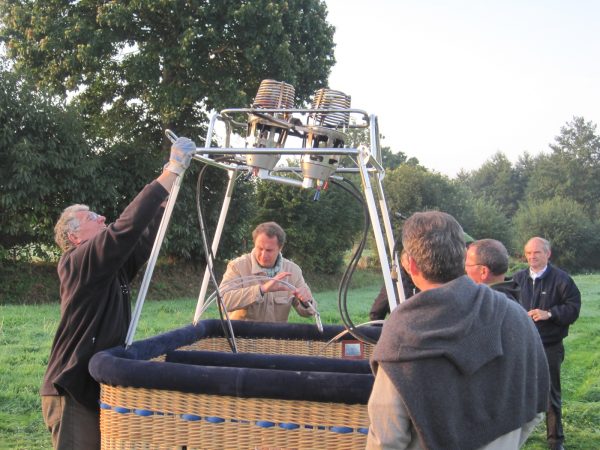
[67, 223]
[270, 229]
[436, 242]
[492, 254]
[545, 243]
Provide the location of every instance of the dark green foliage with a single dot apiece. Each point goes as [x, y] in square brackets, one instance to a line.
[184, 238]
[26, 282]
[564, 190]
[565, 224]
[412, 188]
[174, 60]
[499, 182]
[318, 232]
[45, 163]
[490, 222]
[555, 195]
[391, 160]
[572, 170]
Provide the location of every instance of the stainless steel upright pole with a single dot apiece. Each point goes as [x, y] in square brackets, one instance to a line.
[215, 243]
[164, 223]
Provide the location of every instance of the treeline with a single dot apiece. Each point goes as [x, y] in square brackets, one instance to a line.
[47, 164]
[87, 90]
[554, 194]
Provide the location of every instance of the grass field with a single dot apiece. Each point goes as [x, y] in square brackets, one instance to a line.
[26, 333]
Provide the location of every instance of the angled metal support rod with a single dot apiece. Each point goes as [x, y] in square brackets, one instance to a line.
[164, 223]
[363, 159]
[384, 211]
[215, 244]
[162, 229]
[390, 241]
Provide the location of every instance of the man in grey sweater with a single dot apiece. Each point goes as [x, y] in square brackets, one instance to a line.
[458, 366]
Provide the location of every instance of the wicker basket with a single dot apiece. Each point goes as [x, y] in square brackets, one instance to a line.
[148, 402]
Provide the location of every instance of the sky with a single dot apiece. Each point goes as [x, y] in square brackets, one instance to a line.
[453, 82]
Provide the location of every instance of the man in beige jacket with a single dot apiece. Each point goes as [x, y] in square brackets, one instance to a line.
[266, 300]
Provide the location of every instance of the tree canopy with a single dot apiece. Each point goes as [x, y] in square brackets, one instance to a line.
[499, 182]
[168, 63]
[572, 169]
[132, 70]
[44, 162]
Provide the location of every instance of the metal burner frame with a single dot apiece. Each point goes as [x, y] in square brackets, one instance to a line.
[367, 161]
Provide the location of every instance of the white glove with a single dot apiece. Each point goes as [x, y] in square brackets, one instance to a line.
[182, 151]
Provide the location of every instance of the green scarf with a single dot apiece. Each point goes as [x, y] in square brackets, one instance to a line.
[272, 271]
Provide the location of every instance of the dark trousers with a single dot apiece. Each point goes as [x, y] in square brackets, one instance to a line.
[72, 425]
[555, 353]
[380, 307]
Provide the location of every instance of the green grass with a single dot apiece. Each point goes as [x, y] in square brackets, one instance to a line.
[580, 375]
[26, 333]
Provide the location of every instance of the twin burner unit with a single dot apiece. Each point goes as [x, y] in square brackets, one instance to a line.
[270, 129]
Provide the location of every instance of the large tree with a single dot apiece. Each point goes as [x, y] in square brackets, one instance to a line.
[490, 222]
[572, 169]
[498, 181]
[44, 163]
[135, 69]
[168, 62]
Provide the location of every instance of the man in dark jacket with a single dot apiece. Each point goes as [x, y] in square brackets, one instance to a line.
[487, 263]
[553, 301]
[381, 305]
[459, 365]
[95, 271]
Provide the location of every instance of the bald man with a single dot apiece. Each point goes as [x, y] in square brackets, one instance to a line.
[553, 302]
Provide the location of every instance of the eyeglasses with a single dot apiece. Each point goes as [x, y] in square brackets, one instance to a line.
[91, 217]
[471, 265]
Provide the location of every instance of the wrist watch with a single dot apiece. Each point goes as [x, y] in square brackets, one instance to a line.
[549, 314]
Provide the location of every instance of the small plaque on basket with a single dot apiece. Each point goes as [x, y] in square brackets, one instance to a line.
[353, 350]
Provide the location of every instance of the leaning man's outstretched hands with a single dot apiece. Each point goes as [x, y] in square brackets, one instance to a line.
[182, 151]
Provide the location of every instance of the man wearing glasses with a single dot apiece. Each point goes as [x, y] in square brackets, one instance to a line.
[487, 263]
[458, 366]
[95, 270]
